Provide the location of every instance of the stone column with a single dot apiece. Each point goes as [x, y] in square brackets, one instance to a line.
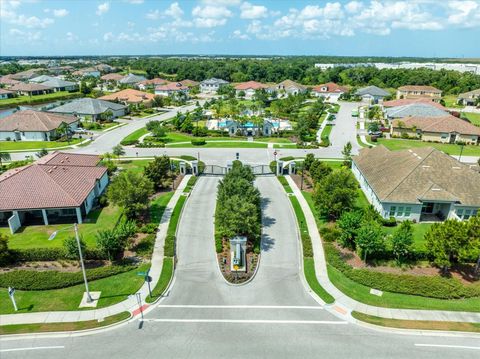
[45, 217]
[79, 215]
[279, 168]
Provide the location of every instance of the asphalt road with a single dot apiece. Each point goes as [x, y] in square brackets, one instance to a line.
[271, 317]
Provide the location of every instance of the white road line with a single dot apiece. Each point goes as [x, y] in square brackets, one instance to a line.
[30, 348]
[245, 321]
[313, 307]
[447, 346]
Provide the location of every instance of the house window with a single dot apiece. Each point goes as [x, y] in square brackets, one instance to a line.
[408, 210]
[444, 135]
[468, 212]
[392, 211]
[400, 212]
[460, 213]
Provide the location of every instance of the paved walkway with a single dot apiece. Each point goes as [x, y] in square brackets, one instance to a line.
[131, 304]
[346, 304]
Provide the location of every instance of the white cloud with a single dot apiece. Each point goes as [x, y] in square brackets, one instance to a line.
[249, 11]
[130, 24]
[71, 36]
[60, 12]
[153, 15]
[108, 36]
[31, 21]
[210, 16]
[222, 2]
[464, 13]
[208, 22]
[237, 34]
[102, 8]
[353, 6]
[174, 10]
[25, 36]
[135, 2]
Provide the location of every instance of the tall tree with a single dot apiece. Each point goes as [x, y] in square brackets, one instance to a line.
[347, 154]
[118, 151]
[402, 241]
[370, 239]
[159, 172]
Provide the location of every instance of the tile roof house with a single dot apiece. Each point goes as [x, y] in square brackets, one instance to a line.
[27, 89]
[57, 189]
[416, 91]
[421, 184]
[171, 89]
[469, 98]
[372, 94]
[40, 79]
[330, 90]
[60, 85]
[112, 77]
[249, 88]
[8, 81]
[90, 107]
[25, 75]
[287, 87]
[30, 125]
[409, 101]
[143, 85]
[414, 109]
[212, 85]
[190, 83]
[6, 94]
[131, 79]
[86, 72]
[129, 96]
[446, 129]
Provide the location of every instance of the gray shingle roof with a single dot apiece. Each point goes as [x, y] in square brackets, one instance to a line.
[372, 90]
[415, 109]
[87, 106]
[132, 79]
[56, 82]
[214, 81]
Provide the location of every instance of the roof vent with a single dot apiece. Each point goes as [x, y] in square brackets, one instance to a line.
[425, 166]
[54, 167]
[436, 189]
[456, 167]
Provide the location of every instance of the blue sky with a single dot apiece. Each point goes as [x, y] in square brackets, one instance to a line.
[430, 28]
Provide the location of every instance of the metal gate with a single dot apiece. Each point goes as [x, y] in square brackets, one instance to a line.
[214, 170]
[259, 170]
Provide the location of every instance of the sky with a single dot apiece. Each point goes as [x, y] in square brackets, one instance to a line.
[426, 28]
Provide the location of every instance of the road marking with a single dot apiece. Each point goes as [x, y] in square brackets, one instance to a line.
[314, 307]
[447, 346]
[245, 321]
[30, 348]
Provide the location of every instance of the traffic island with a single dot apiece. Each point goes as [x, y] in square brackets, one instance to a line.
[237, 260]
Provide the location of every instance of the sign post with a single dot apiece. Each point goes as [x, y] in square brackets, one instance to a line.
[11, 294]
[275, 156]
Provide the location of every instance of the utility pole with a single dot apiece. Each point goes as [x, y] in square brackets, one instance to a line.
[11, 294]
[461, 151]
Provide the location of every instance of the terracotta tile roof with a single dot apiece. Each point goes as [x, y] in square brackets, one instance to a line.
[38, 186]
[69, 159]
[155, 81]
[420, 88]
[36, 121]
[408, 101]
[254, 85]
[330, 87]
[440, 124]
[409, 176]
[112, 77]
[289, 84]
[129, 95]
[3, 91]
[7, 80]
[189, 83]
[172, 86]
[29, 87]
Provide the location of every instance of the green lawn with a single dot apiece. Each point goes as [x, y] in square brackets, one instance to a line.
[214, 144]
[310, 276]
[451, 101]
[419, 230]
[285, 145]
[134, 136]
[473, 117]
[37, 236]
[165, 276]
[451, 149]
[326, 131]
[32, 145]
[136, 166]
[158, 206]
[23, 100]
[114, 289]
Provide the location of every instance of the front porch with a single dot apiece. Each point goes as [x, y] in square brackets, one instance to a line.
[435, 211]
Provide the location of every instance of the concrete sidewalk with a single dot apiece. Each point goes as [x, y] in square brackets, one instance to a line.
[131, 304]
[346, 304]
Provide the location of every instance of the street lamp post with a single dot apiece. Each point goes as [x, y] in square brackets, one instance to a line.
[461, 151]
[301, 182]
[77, 237]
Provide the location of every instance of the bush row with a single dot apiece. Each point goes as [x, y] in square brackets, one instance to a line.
[425, 286]
[51, 254]
[45, 280]
[128, 142]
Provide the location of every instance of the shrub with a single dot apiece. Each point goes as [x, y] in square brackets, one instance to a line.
[71, 247]
[45, 280]
[149, 228]
[273, 166]
[145, 247]
[199, 142]
[128, 142]
[218, 243]
[391, 222]
[5, 254]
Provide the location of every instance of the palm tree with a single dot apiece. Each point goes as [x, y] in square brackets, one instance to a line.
[63, 128]
[4, 156]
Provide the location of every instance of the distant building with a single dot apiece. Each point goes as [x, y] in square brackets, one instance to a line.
[330, 91]
[87, 72]
[131, 79]
[172, 88]
[248, 88]
[212, 85]
[58, 188]
[130, 96]
[287, 87]
[25, 89]
[90, 107]
[421, 184]
[32, 125]
[4, 94]
[145, 84]
[469, 98]
[115, 77]
[415, 91]
[268, 127]
[372, 94]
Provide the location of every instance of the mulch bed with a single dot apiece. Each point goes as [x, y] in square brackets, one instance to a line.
[224, 260]
[307, 182]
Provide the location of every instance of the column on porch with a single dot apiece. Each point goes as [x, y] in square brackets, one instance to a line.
[79, 215]
[45, 217]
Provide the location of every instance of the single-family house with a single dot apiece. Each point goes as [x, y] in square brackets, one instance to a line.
[268, 127]
[30, 125]
[172, 88]
[60, 85]
[409, 101]
[87, 72]
[104, 68]
[7, 81]
[58, 70]
[212, 85]
[372, 94]
[470, 98]
[4, 94]
[446, 129]
[90, 107]
[27, 89]
[330, 91]
[248, 88]
[114, 78]
[130, 96]
[40, 79]
[421, 184]
[25, 75]
[58, 188]
[131, 79]
[287, 87]
[189, 83]
[414, 109]
[152, 83]
[416, 91]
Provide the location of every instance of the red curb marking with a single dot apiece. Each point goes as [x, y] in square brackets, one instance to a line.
[340, 310]
[139, 310]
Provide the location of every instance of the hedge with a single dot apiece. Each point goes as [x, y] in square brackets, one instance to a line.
[128, 142]
[198, 142]
[51, 254]
[169, 246]
[425, 286]
[45, 280]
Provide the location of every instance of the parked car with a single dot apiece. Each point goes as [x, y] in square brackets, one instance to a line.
[375, 133]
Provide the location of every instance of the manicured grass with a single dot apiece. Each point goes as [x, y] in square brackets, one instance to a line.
[62, 327]
[451, 101]
[310, 276]
[32, 145]
[419, 230]
[37, 236]
[134, 136]
[158, 206]
[165, 277]
[136, 166]
[191, 182]
[451, 149]
[284, 183]
[213, 144]
[326, 131]
[473, 117]
[114, 289]
[418, 324]
[394, 300]
[22, 100]
[172, 225]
